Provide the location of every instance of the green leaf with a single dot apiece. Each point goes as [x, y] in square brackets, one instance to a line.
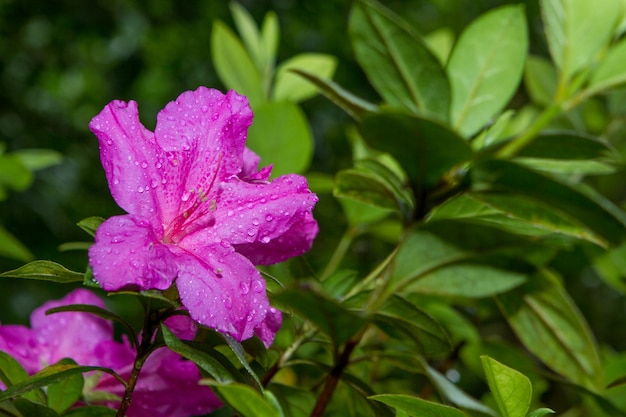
[13, 173]
[291, 87]
[591, 210]
[31, 409]
[440, 41]
[295, 402]
[213, 362]
[11, 373]
[564, 145]
[65, 393]
[270, 36]
[356, 107]
[541, 80]
[50, 375]
[425, 149]
[540, 412]
[291, 146]
[234, 66]
[247, 28]
[91, 224]
[486, 66]
[37, 159]
[414, 406]
[397, 61]
[247, 401]
[328, 315]
[549, 324]
[45, 271]
[91, 411]
[11, 247]
[240, 354]
[511, 389]
[610, 71]
[576, 30]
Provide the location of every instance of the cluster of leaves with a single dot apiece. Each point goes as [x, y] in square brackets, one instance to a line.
[479, 201]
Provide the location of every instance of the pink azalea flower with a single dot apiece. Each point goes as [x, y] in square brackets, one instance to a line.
[167, 386]
[200, 213]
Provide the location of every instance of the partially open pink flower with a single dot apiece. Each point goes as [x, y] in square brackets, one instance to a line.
[167, 386]
[199, 212]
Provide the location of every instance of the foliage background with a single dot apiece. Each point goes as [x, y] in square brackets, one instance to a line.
[62, 61]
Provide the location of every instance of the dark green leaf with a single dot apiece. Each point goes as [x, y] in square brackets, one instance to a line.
[351, 104]
[45, 271]
[207, 359]
[291, 146]
[11, 373]
[511, 389]
[338, 284]
[11, 247]
[577, 29]
[486, 66]
[247, 401]
[415, 406]
[425, 149]
[240, 354]
[65, 393]
[397, 62]
[90, 224]
[291, 87]
[548, 323]
[50, 375]
[91, 411]
[328, 315]
[31, 409]
[234, 66]
[13, 173]
[295, 402]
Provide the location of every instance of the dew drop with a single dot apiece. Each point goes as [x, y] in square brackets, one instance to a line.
[251, 232]
[116, 181]
[109, 142]
[204, 109]
[228, 302]
[255, 222]
[144, 165]
[154, 183]
[224, 244]
[244, 287]
[257, 286]
[266, 239]
[269, 218]
[186, 195]
[230, 213]
[140, 189]
[158, 165]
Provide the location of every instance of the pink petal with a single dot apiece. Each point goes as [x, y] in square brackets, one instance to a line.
[270, 326]
[128, 153]
[182, 326]
[20, 342]
[250, 171]
[128, 254]
[225, 292]
[70, 334]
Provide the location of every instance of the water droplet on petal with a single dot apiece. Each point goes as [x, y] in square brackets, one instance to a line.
[251, 232]
[257, 286]
[154, 183]
[255, 222]
[186, 195]
[140, 189]
[244, 287]
[116, 181]
[230, 213]
[269, 218]
[228, 302]
[266, 239]
[144, 165]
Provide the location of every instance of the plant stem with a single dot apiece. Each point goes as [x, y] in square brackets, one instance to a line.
[340, 252]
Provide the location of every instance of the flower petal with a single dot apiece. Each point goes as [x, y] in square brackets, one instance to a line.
[225, 292]
[128, 153]
[128, 254]
[20, 342]
[70, 334]
[270, 326]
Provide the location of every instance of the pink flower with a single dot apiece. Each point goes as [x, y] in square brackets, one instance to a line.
[200, 214]
[167, 386]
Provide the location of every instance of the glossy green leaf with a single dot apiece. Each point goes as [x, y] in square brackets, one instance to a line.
[45, 271]
[31, 409]
[13, 173]
[37, 159]
[240, 354]
[577, 29]
[511, 389]
[11, 247]
[328, 315]
[207, 359]
[65, 393]
[247, 401]
[565, 145]
[541, 79]
[396, 60]
[91, 224]
[367, 187]
[425, 149]
[234, 66]
[291, 146]
[339, 283]
[11, 373]
[486, 66]
[540, 412]
[91, 411]
[47, 376]
[291, 87]
[590, 209]
[249, 32]
[415, 406]
[610, 71]
[549, 324]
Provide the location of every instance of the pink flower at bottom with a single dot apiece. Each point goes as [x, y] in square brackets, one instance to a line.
[200, 213]
[167, 386]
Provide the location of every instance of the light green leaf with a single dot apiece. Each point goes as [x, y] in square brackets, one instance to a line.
[234, 66]
[486, 66]
[540, 412]
[577, 29]
[291, 87]
[240, 354]
[549, 324]
[415, 406]
[31, 409]
[440, 41]
[249, 32]
[45, 271]
[351, 104]
[90, 224]
[281, 136]
[541, 80]
[396, 60]
[511, 389]
[610, 71]
[13, 173]
[270, 37]
[11, 247]
[246, 401]
[37, 159]
[65, 393]
[11, 373]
